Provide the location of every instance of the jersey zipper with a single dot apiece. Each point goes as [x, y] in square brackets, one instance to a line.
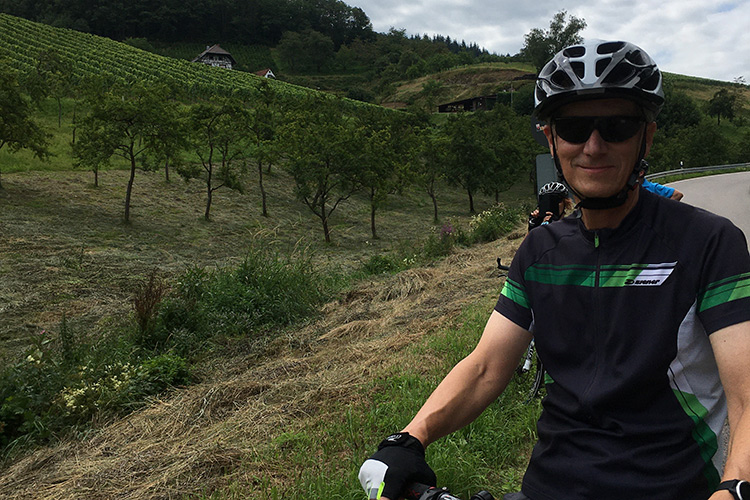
[598, 320]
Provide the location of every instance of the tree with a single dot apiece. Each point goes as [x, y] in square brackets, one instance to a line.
[18, 130]
[680, 111]
[308, 50]
[470, 157]
[431, 164]
[129, 121]
[386, 146]
[540, 45]
[263, 123]
[51, 77]
[512, 146]
[722, 104]
[321, 152]
[218, 139]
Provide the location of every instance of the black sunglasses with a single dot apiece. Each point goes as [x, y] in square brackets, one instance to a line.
[578, 129]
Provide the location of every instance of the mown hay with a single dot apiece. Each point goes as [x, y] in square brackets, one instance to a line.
[218, 432]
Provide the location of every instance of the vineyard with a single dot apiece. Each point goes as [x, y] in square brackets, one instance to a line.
[22, 41]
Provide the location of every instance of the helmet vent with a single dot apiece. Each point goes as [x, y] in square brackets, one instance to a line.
[609, 47]
[562, 80]
[579, 68]
[577, 51]
[636, 57]
[601, 65]
[620, 74]
[651, 82]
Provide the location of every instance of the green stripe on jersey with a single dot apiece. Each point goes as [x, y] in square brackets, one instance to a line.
[704, 437]
[562, 275]
[516, 293]
[723, 291]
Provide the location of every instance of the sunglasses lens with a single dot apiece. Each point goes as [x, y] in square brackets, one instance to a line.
[619, 128]
[578, 129]
[575, 130]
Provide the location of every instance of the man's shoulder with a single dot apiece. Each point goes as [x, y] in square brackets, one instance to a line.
[680, 221]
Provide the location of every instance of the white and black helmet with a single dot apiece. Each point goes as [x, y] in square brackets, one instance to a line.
[599, 69]
[555, 189]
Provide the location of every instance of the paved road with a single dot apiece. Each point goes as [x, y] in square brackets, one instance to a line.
[726, 194]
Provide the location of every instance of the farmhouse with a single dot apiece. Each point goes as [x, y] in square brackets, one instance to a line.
[216, 56]
[471, 104]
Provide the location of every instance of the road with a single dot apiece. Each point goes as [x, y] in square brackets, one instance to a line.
[726, 194]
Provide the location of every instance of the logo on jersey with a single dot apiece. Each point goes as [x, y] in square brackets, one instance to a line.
[639, 275]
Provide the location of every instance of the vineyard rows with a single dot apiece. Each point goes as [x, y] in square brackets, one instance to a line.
[21, 42]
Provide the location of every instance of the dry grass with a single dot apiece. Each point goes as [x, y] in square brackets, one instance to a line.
[65, 251]
[222, 431]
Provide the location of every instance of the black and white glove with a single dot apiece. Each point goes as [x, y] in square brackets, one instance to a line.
[399, 461]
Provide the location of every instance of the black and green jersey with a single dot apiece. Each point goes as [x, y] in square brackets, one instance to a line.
[622, 320]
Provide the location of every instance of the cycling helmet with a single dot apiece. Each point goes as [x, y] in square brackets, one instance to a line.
[597, 70]
[554, 188]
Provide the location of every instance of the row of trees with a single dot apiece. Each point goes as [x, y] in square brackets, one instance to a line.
[330, 152]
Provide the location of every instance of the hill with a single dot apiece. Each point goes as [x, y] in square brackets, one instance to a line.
[85, 55]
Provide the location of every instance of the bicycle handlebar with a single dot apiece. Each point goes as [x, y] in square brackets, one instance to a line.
[417, 491]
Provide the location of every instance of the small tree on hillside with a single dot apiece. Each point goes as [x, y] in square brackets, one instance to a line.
[470, 158]
[430, 166]
[508, 138]
[218, 138]
[540, 45]
[321, 151]
[722, 104]
[51, 77]
[387, 144]
[129, 121]
[17, 128]
[263, 123]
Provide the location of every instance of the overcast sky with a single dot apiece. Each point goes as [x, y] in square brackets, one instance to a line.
[707, 38]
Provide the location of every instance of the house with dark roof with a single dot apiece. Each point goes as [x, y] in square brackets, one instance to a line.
[216, 56]
[485, 102]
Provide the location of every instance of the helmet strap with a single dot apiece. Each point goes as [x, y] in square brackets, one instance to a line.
[616, 200]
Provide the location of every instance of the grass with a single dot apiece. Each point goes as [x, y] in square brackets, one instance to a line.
[70, 266]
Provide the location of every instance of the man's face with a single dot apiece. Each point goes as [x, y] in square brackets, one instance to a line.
[597, 168]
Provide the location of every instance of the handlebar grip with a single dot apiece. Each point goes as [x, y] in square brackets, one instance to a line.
[415, 491]
[418, 491]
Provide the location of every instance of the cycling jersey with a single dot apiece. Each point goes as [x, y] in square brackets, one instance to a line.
[659, 189]
[622, 319]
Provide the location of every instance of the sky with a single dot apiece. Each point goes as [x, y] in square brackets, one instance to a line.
[705, 38]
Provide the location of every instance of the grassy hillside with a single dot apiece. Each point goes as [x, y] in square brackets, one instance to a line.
[21, 42]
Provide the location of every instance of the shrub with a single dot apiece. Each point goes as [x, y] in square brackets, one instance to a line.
[381, 264]
[493, 223]
[265, 290]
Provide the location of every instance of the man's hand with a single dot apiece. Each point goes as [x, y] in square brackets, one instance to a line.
[398, 462]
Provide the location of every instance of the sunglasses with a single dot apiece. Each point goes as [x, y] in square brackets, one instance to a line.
[578, 129]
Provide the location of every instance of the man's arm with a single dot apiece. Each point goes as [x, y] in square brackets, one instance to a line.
[731, 347]
[474, 383]
[677, 195]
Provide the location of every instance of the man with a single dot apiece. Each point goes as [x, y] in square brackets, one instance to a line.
[553, 202]
[646, 313]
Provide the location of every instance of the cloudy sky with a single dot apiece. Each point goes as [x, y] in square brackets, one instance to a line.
[706, 38]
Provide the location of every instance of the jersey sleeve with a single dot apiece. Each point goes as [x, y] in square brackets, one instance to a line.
[724, 296]
[514, 302]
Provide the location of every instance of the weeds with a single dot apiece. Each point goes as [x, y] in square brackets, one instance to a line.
[147, 299]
